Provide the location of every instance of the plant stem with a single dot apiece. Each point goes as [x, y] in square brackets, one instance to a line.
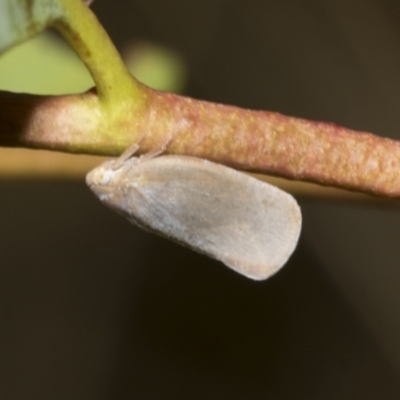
[257, 141]
[120, 111]
[87, 37]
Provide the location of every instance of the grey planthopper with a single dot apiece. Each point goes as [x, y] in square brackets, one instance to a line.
[249, 225]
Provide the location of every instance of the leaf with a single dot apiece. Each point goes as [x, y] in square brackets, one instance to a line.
[21, 19]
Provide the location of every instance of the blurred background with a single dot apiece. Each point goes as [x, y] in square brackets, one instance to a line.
[94, 308]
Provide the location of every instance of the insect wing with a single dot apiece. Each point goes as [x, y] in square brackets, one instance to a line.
[249, 225]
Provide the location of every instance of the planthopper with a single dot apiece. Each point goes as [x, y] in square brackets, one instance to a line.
[249, 225]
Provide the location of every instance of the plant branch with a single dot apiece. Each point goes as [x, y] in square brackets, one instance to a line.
[257, 141]
[121, 111]
[87, 37]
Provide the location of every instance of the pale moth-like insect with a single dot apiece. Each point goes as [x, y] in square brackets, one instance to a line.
[249, 225]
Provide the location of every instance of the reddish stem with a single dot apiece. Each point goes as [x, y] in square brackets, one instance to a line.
[260, 141]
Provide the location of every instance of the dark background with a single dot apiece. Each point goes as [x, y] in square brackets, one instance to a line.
[93, 308]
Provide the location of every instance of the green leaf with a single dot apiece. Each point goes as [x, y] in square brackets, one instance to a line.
[21, 19]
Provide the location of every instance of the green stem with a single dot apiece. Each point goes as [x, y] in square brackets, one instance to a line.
[84, 33]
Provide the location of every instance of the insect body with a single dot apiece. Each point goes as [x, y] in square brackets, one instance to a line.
[249, 225]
